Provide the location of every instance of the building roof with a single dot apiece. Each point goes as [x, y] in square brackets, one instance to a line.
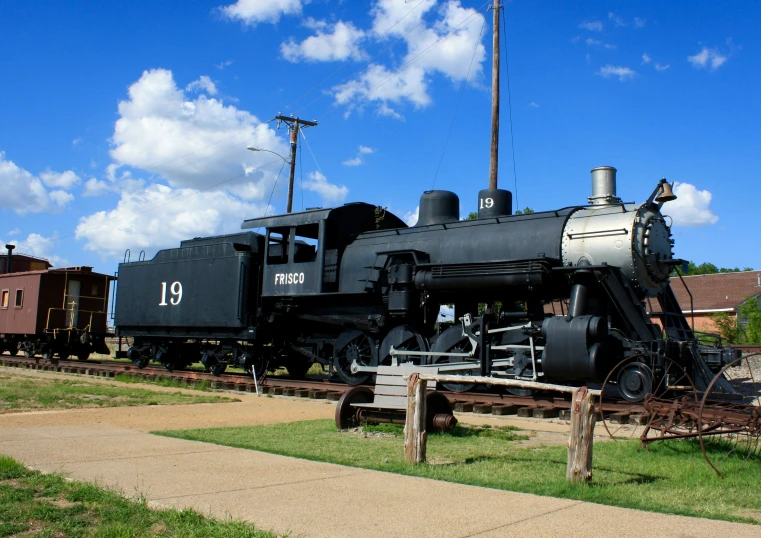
[717, 292]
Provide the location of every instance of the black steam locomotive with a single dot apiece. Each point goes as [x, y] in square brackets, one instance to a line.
[353, 287]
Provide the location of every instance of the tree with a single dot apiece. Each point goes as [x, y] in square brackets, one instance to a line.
[749, 321]
[525, 211]
[707, 268]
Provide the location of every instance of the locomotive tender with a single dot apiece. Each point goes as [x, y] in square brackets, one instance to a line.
[353, 287]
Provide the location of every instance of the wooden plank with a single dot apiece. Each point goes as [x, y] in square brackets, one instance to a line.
[391, 390]
[392, 380]
[502, 382]
[393, 402]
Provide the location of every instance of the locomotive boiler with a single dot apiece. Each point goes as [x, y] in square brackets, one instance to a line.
[559, 295]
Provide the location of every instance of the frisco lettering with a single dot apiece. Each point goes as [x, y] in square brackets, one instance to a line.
[289, 278]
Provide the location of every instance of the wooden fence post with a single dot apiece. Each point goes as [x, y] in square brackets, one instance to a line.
[414, 426]
[582, 436]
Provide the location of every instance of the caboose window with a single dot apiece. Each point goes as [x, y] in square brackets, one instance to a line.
[95, 290]
[6, 296]
[19, 298]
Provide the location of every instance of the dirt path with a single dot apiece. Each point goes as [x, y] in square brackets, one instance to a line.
[251, 410]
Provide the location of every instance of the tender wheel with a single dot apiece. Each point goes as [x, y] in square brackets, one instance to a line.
[634, 381]
[353, 346]
[12, 351]
[452, 341]
[48, 353]
[346, 413]
[83, 355]
[403, 338]
[64, 353]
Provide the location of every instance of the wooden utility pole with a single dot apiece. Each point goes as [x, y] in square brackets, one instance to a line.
[493, 163]
[294, 125]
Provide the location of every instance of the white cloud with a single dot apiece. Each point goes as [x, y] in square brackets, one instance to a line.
[592, 26]
[77, 141]
[691, 208]
[223, 65]
[330, 193]
[533, 104]
[14, 231]
[96, 187]
[191, 142]
[660, 67]
[623, 73]
[639, 23]
[252, 12]
[203, 84]
[618, 21]
[356, 161]
[590, 41]
[411, 217]
[61, 198]
[339, 44]
[444, 45]
[64, 180]
[159, 216]
[24, 193]
[39, 246]
[646, 59]
[707, 59]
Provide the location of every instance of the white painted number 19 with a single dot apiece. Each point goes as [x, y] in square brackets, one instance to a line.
[175, 289]
[486, 203]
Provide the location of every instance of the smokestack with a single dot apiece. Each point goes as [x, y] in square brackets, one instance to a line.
[603, 186]
[8, 262]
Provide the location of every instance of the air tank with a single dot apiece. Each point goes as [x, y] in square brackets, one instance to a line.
[494, 203]
[438, 207]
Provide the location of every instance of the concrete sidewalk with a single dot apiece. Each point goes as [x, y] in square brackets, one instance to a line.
[304, 498]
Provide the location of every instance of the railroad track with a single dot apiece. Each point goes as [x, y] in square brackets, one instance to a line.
[539, 406]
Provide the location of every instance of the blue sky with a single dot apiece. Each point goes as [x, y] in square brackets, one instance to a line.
[125, 124]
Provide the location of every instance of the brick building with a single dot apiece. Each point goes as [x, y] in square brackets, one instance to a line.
[711, 294]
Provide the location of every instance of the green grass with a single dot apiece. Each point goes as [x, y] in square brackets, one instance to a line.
[669, 477]
[37, 504]
[19, 393]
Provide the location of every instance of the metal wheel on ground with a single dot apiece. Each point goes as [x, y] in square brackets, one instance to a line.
[353, 346]
[636, 382]
[83, 355]
[402, 338]
[346, 413]
[438, 413]
[452, 341]
[730, 416]
[218, 368]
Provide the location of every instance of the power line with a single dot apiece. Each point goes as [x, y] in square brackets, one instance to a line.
[510, 109]
[459, 100]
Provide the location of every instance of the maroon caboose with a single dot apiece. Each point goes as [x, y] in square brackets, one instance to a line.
[51, 312]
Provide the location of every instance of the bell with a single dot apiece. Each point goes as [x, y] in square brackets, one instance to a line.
[665, 194]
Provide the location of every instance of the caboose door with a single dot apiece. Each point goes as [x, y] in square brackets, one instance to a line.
[73, 291]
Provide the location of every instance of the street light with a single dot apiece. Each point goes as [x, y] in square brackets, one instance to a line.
[292, 164]
[252, 148]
